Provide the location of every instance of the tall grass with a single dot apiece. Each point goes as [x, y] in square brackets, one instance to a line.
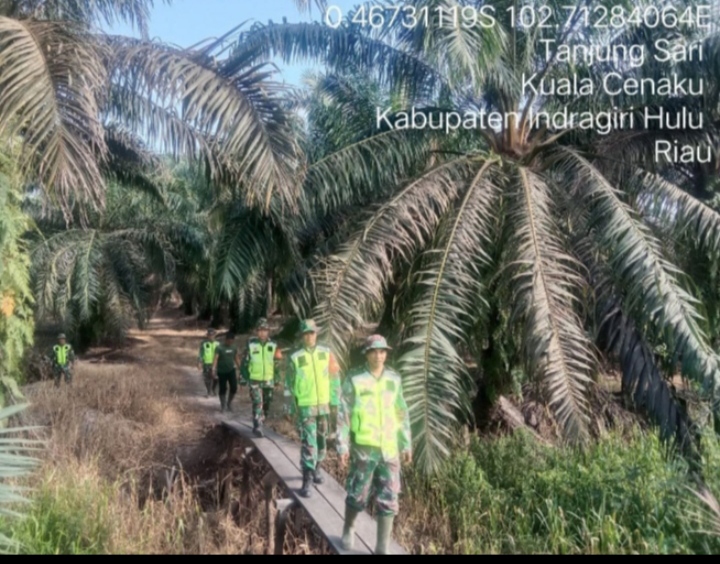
[620, 496]
[77, 512]
[112, 437]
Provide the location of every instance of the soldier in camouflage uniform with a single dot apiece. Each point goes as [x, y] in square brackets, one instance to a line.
[260, 370]
[310, 372]
[63, 359]
[373, 434]
[206, 359]
[226, 365]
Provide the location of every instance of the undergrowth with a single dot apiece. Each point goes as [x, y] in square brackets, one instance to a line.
[622, 495]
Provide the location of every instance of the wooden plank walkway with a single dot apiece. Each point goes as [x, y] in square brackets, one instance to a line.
[326, 506]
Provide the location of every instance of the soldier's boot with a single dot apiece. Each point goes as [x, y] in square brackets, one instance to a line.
[307, 478]
[223, 405]
[317, 475]
[257, 429]
[384, 531]
[229, 403]
[348, 538]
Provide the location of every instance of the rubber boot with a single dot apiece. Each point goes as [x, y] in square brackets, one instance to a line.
[384, 532]
[223, 405]
[229, 403]
[307, 478]
[348, 538]
[317, 475]
[257, 430]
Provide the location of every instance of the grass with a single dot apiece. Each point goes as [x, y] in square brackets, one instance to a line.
[114, 436]
[113, 439]
[513, 496]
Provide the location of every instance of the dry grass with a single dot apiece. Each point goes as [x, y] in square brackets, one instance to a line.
[133, 467]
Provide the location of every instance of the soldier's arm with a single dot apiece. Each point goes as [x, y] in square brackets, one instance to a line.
[334, 369]
[244, 365]
[347, 401]
[215, 361]
[289, 375]
[278, 366]
[200, 355]
[403, 415]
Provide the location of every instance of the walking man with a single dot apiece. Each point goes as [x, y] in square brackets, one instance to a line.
[309, 376]
[225, 365]
[63, 361]
[260, 368]
[206, 360]
[373, 435]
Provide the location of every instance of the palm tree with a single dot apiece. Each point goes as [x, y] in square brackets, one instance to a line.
[513, 234]
[65, 88]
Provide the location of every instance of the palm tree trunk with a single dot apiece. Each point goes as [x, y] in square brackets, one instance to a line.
[270, 297]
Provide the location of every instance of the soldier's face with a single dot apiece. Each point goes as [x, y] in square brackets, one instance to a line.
[263, 334]
[376, 358]
[310, 339]
[62, 341]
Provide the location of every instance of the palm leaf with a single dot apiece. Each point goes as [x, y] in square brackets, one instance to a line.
[545, 286]
[351, 281]
[652, 291]
[435, 376]
[50, 78]
[239, 113]
[14, 463]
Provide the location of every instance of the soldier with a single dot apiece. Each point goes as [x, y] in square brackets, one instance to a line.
[373, 425]
[309, 376]
[63, 361]
[225, 366]
[260, 370]
[206, 359]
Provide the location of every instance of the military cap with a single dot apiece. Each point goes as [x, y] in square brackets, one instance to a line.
[376, 342]
[308, 326]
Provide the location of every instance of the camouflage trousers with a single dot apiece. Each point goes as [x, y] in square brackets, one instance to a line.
[59, 371]
[261, 397]
[371, 474]
[210, 382]
[332, 422]
[313, 434]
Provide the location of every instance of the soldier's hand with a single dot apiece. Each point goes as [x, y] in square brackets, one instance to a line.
[343, 459]
[407, 458]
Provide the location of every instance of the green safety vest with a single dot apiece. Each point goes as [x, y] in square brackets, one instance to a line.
[61, 354]
[374, 421]
[312, 376]
[261, 365]
[208, 351]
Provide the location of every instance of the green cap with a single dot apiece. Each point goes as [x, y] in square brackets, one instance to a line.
[263, 324]
[308, 326]
[376, 342]
[61, 336]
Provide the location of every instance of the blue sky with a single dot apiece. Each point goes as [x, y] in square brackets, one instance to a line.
[187, 22]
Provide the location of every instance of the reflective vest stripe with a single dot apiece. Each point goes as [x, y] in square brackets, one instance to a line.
[262, 361]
